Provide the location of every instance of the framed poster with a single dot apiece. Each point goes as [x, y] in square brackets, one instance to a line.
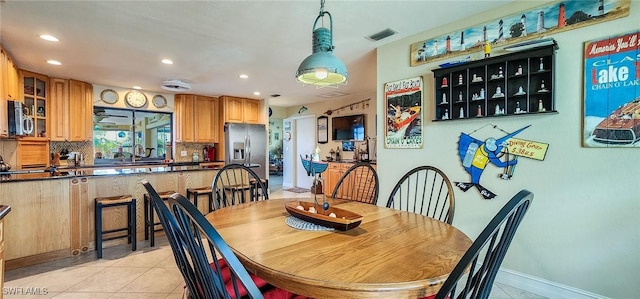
[612, 91]
[403, 101]
[323, 129]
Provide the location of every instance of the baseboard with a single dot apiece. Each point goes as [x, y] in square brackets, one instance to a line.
[541, 286]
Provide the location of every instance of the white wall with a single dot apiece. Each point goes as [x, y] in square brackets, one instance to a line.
[319, 108]
[583, 229]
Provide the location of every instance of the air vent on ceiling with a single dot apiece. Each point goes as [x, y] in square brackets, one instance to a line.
[175, 85]
[382, 34]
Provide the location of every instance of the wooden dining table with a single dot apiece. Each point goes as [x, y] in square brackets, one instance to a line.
[391, 254]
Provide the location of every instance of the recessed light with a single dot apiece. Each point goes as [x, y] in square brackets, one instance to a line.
[256, 93]
[244, 76]
[48, 37]
[54, 62]
[167, 61]
[137, 87]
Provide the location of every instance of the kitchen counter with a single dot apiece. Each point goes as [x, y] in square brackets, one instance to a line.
[102, 170]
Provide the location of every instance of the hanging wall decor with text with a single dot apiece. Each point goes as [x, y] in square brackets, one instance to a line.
[519, 27]
[403, 102]
[502, 152]
[612, 91]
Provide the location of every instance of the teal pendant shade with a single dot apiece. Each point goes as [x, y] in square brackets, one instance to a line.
[321, 68]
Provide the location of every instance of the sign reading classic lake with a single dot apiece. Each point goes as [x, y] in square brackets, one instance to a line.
[612, 91]
[403, 101]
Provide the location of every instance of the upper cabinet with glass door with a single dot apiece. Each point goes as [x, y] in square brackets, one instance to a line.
[35, 89]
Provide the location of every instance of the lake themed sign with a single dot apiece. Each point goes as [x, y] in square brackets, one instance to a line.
[612, 91]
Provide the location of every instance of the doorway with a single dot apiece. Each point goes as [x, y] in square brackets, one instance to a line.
[302, 131]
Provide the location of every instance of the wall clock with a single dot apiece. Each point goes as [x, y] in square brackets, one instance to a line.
[159, 101]
[135, 98]
[109, 96]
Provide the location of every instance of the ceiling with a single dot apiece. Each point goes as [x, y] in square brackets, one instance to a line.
[121, 43]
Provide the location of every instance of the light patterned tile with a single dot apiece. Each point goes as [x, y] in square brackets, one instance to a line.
[168, 262]
[11, 293]
[150, 258]
[111, 279]
[156, 280]
[514, 292]
[138, 296]
[179, 289]
[61, 279]
[20, 276]
[174, 296]
[81, 295]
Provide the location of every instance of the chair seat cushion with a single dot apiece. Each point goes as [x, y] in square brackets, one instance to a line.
[269, 292]
[226, 277]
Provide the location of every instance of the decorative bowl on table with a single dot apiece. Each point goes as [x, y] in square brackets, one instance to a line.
[333, 217]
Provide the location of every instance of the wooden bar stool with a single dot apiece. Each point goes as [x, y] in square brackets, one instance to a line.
[197, 192]
[149, 217]
[253, 184]
[115, 201]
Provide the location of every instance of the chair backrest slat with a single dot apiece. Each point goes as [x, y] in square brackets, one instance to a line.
[424, 190]
[358, 183]
[493, 242]
[235, 183]
[199, 249]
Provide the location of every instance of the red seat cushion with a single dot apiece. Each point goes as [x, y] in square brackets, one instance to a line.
[226, 277]
[269, 292]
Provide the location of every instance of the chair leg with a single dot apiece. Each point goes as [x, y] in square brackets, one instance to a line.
[146, 218]
[132, 225]
[152, 238]
[98, 229]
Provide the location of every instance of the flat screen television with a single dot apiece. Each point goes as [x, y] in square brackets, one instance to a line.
[350, 127]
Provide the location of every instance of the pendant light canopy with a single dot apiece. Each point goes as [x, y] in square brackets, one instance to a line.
[321, 68]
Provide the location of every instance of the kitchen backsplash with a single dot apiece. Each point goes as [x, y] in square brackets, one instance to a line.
[85, 148]
[190, 148]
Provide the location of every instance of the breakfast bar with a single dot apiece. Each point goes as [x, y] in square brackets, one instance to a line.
[52, 211]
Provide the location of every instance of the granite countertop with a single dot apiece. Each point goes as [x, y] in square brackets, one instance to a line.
[4, 210]
[101, 170]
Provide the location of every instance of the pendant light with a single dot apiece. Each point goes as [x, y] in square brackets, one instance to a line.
[321, 68]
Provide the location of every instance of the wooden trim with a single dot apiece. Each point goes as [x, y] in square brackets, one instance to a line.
[36, 259]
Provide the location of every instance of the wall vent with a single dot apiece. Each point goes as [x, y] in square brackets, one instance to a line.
[382, 34]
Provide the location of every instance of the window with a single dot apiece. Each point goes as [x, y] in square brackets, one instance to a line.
[121, 135]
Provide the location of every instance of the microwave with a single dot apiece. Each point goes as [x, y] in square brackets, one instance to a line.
[20, 124]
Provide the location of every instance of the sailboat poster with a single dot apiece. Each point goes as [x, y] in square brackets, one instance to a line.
[612, 91]
[403, 101]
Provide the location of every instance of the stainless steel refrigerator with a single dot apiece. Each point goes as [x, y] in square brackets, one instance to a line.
[246, 144]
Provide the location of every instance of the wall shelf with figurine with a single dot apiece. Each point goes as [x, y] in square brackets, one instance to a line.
[519, 83]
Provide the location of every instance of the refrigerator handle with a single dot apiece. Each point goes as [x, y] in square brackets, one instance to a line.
[247, 149]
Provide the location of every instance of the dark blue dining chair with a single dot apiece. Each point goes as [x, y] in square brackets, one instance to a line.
[480, 264]
[209, 267]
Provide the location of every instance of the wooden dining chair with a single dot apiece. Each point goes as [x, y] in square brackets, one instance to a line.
[358, 183]
[480, 264]
[235, 184]
[424, 190]
[209, 268]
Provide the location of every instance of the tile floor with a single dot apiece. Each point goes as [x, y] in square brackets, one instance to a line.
[146, 273]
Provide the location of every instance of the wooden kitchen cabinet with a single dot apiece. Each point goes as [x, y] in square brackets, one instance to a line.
[35, 92]
[196, 118]
[33, 154]
[184, 118]
[71, 110]
[240, 110]
[334, 172]
[8, 88]
[332, 176]
[206, 119]
[1, 256]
